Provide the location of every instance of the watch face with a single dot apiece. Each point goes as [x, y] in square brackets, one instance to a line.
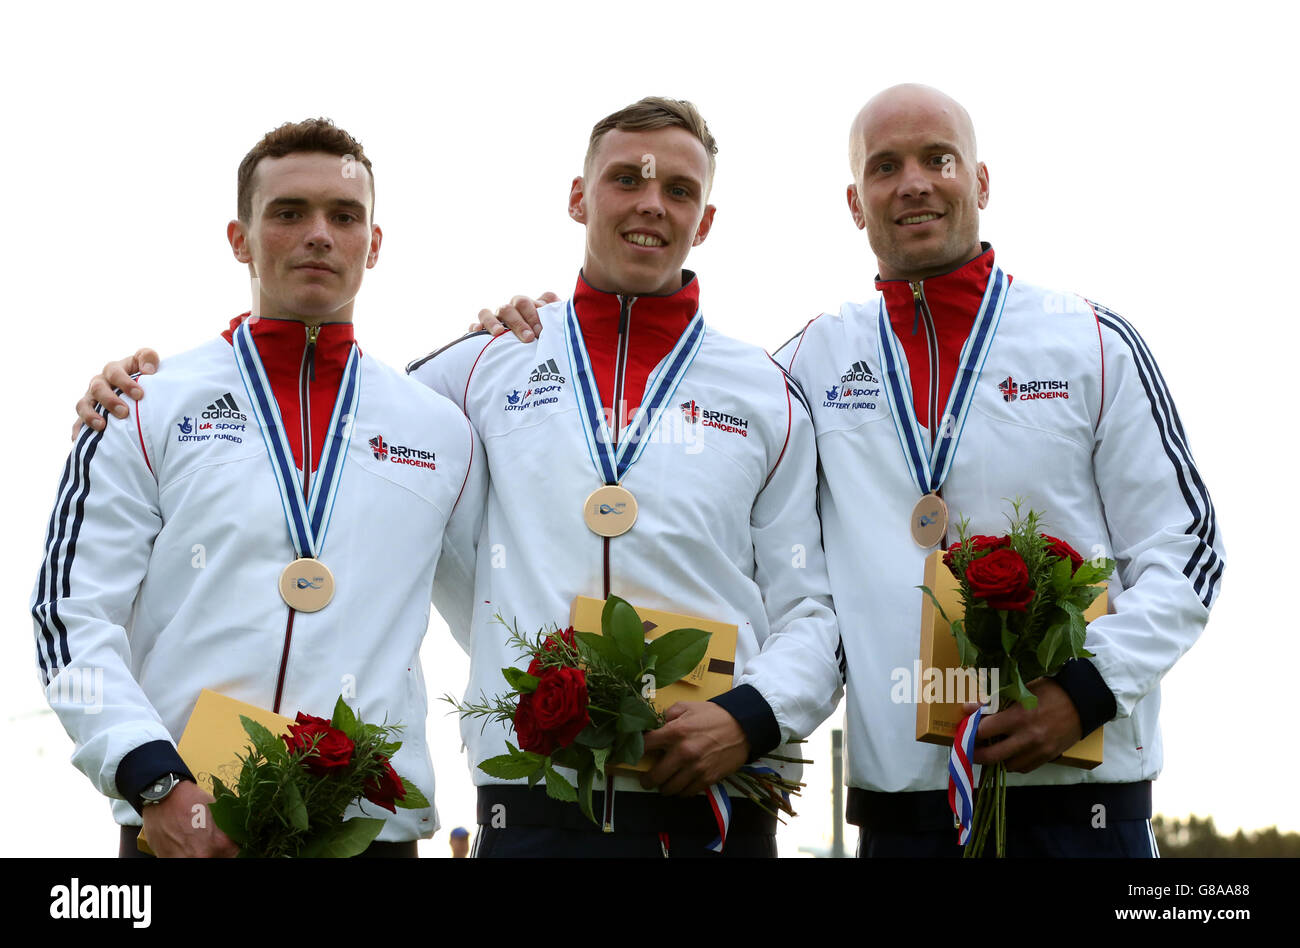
[158, 790]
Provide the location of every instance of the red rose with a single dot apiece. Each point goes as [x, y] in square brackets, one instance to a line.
[1063, 550]
[386, 788]
[1001, 579]
[554, 714]
[333, 749]
[552, 641]
[531, 737]
[976, 544]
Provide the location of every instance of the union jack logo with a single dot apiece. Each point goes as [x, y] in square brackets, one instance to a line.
[381, 450]
[691, 411]
[1009, 388]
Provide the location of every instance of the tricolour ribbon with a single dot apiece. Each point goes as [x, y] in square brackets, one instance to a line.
[721, 804]
[961, 781]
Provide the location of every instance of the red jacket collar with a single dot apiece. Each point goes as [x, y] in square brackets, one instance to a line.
[953, 297]
[661, 316]
[280, 343]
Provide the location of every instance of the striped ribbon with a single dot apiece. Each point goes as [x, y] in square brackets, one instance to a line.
[307, 518]
[721, 804]
[930, 467]
[611, 465]
[961, 781]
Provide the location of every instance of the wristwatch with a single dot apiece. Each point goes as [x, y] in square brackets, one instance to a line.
[157, 791]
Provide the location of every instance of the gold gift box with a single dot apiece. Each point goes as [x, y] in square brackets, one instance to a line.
[710, 678]
[937, 721]
[214, 737]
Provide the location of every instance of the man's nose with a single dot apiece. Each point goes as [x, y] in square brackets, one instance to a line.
[318, 234]
[652, 200]
[914, 181]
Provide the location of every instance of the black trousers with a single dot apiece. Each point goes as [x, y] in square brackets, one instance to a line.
[1083, 820]
[516, 822]
[127, 849]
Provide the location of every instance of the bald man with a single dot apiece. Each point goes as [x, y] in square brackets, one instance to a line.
[1062, 406]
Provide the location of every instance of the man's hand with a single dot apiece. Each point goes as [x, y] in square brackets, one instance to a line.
[100, 391]
[1030, 738]
[519, 316]
[170, 831]
[701, 744]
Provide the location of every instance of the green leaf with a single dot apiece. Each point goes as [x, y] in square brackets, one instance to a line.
[414, 799]
[628, 750]
[294, 808]
[1018, 691]
[1078, 627]
[1060, 577]
[512, 766]
[590, 644]
[635, 714]
[1053, 642]
[1092, 572]
[230, 816]
[626, 630]
[1084, 596]
[345, 840]
[967, 653]
[573, 756]
[535, 776]
[676, 654]
[558, 788]
[599, 755]
[264, 742]
[926, 590]
[594, 736]
[520, 681]
[345, 720]
[1008, 635]
[586, 776]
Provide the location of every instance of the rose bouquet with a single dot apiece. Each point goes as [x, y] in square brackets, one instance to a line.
[1024, 596]
[293, 789]
[586, 700]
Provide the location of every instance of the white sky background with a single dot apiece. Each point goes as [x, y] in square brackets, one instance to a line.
[1141, 154]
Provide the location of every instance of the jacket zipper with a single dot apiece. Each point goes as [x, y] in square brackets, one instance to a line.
[620, 369]
[306, 374]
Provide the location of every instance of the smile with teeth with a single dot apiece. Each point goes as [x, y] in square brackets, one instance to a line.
[920, 219]
[644, 240]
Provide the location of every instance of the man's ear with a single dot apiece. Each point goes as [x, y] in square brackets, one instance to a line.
[376, 238]
[706, 225]
[982, 175]
[237, 234]
[577, 204]
[855, 208]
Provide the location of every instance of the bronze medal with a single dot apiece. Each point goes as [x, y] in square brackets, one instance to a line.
[307, 585]
[610, 511]
[929, 521]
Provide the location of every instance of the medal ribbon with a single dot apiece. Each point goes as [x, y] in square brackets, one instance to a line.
[930, 467]
[307, 518]
[612, 465]
[720, 802]
[961, 779]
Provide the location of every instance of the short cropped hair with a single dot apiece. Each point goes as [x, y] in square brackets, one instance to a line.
[313, 134]
[651, 113]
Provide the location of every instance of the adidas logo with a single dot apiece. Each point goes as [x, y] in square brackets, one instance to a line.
[225, 407]
[858, 372]
[548, 371]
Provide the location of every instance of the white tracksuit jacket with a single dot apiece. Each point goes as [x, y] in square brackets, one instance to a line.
[727, 526]
[1091, 440]
[164, 552]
